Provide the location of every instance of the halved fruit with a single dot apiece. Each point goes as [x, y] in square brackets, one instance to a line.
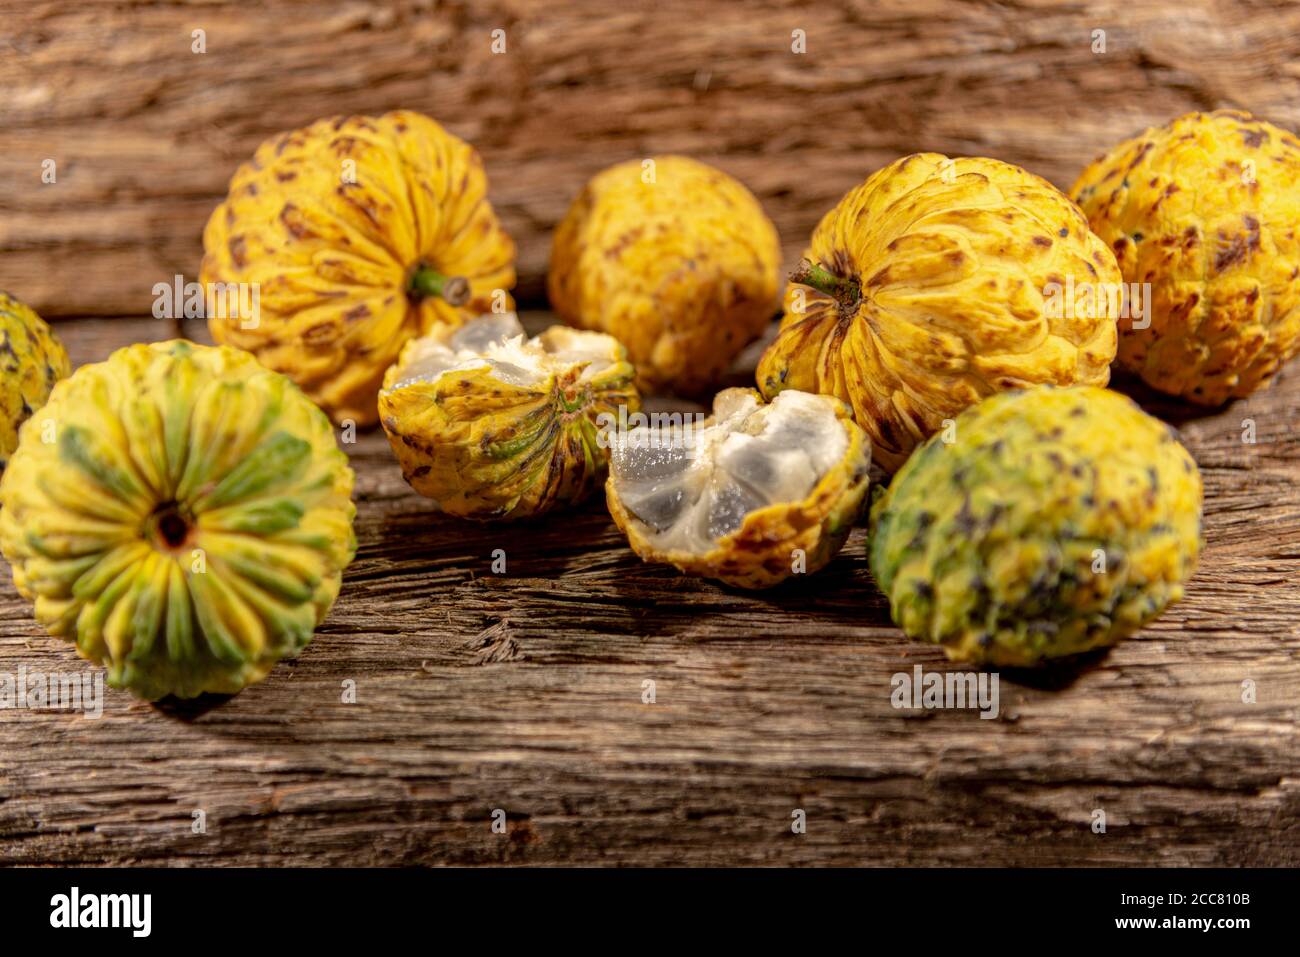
[493, 426]
[750, 496]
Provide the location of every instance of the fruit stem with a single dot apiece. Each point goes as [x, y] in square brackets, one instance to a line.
[846, 292]
[427, 281]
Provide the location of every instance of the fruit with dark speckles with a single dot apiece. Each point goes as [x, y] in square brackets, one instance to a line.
[1206, 210]
[673, 258]
[359, 233]
[937, 282]
[32, 360]
[1055, 522]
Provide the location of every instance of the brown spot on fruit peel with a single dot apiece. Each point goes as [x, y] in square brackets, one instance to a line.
[1254, 138]
[237, 248]
[1239, 247]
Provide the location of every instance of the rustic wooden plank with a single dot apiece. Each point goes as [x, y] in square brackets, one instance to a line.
[146, 133]
[524, 692]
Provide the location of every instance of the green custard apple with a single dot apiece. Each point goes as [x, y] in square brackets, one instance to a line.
[182, 513]
[1045, 523]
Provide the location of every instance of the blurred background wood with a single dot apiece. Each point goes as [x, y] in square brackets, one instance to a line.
[146, 133]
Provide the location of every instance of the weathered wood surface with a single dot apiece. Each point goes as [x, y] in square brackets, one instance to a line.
[523, 692]
[146, 133]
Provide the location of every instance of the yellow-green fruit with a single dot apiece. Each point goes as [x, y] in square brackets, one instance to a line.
[358, 234]
[491, 425]
[750, 496]
[938, 282]
[180, 512]
[1206, 211]
[673, 258]
[1054, 521]
[31, 360]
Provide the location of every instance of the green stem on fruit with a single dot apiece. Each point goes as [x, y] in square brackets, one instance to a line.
[426, 281]
[846, 292]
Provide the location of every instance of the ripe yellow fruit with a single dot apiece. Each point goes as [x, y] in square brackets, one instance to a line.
[360, 233]
[938, 282]
[1205, 210]
[186, 520]
[31, 360]
[750, 496]
[493, 426]
[673, 258]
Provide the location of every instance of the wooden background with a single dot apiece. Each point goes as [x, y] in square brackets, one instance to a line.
[146, 134]
[523, 691]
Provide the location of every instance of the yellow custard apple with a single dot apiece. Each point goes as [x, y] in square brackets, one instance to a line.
[750, 496]
[492, 425]
[676, 260]
[1055, 521]
[940, 281]
[358, 234]
[1206, 211]
[31, 360]
[182, 513]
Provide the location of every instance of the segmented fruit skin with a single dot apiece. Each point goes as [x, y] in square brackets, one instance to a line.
[31, 360]
[189, 523]
[955, 260]
[490, 450]
[1059, 520]
[761, 553]
[332, 247]
[1205, 209]
[684, 270]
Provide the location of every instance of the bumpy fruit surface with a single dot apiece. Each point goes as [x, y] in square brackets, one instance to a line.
[1059, 520]
[31, 360]
[1204, 209]
[751, 495]
[186, 521]
[676, 260]
[360, 233]
[936, 283]
[491, 425]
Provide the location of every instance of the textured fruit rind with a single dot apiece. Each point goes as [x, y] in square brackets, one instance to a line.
[486, 449]
[332, 247]
[31, 360]
[1059, 520]
[1206, 209]
[683, 270]
[189, 523]
[958, 262]
[761, 553]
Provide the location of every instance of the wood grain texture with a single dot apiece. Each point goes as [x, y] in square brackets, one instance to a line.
[523, 692]
[146, 133]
